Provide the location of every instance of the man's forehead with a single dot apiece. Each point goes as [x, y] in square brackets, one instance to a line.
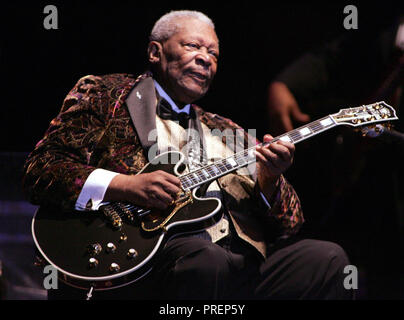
[197, 30]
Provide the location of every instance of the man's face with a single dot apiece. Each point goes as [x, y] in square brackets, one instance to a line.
[188, 61]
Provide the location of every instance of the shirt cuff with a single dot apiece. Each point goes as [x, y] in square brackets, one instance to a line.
[93, 191]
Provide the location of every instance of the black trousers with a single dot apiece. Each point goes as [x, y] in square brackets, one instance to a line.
[191, 268]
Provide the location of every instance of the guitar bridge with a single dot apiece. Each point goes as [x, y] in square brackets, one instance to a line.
[112, 215]
[183, 199]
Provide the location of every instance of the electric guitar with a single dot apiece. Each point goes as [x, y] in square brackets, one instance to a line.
[117, 244]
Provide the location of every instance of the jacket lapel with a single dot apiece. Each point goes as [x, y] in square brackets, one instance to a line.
[141, 104]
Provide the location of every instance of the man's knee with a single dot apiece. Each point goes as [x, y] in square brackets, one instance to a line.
[328, 261]
[306, 269]
[209, 260]
[197, 271]
[327, 252]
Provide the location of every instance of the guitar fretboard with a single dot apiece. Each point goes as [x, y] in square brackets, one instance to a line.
[222, 167]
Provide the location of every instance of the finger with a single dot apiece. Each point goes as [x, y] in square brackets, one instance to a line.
[166, 197]
[286, 122]
[170, 178]
[287, 144]
[281, 150]
[268, 138]
[158, 204]
[171, 189]
[267, 164]
[298, 115]
[290, 146]
[271, 158]
[162, 200]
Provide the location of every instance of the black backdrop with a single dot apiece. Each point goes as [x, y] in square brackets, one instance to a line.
[257, 39]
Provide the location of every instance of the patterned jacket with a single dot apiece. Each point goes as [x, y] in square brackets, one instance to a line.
[94, 129]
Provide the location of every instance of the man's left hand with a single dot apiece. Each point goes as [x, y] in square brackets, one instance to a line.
[272, 161]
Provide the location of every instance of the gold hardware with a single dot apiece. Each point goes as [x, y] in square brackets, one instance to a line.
[179, 203]
[123, 237]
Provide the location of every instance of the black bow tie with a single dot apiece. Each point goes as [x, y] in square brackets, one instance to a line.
[165, 111]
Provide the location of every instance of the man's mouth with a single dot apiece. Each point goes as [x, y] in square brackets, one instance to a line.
[199, 76]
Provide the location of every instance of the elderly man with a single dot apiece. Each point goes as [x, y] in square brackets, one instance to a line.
[95, 148]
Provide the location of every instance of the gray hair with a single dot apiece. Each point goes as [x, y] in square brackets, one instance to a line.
[167, 25]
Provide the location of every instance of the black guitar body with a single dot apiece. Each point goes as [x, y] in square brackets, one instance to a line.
[88, 251]
[103, 250]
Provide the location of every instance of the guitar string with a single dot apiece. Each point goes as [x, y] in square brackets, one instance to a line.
[221, 164]
[295, 135]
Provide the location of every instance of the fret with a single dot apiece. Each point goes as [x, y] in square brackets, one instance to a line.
[215, 169]
[247, 156]
[326, 122]
[184, 181]
[232, 162]
[305, 131]
[221, 167]
[240, 160]
[295, 135]
[200, 175]
[315, 126]
[227, 164]
[195, 177]
[286, 138]
[205, 173]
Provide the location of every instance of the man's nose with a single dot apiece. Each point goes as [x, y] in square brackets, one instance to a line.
[203, 58]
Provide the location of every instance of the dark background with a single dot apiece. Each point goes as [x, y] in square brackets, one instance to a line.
[257, 39]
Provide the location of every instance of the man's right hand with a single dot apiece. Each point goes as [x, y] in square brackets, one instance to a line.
[149, 190]
[283, 109]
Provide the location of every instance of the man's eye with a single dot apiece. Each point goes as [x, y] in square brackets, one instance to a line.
[214, 53]
[193, 45]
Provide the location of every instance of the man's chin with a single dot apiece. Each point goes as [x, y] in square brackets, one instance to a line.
[194, 94]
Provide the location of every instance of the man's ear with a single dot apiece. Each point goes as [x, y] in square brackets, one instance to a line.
[154, 50]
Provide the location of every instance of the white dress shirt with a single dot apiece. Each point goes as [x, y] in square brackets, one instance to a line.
[94, 189]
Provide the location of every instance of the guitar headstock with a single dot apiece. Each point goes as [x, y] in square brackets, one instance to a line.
[365, 115]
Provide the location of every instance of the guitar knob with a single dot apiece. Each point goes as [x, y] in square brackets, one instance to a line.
[114, 267]
[94, 248]
[92, 262]
[111, 248]
[132, 253]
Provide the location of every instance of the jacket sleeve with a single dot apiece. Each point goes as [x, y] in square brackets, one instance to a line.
[285, 211]
[56, 170]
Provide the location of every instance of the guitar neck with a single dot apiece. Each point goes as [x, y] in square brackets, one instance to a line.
[241, 159]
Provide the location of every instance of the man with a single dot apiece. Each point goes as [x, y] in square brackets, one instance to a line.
[319, 82]
[103, 137]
